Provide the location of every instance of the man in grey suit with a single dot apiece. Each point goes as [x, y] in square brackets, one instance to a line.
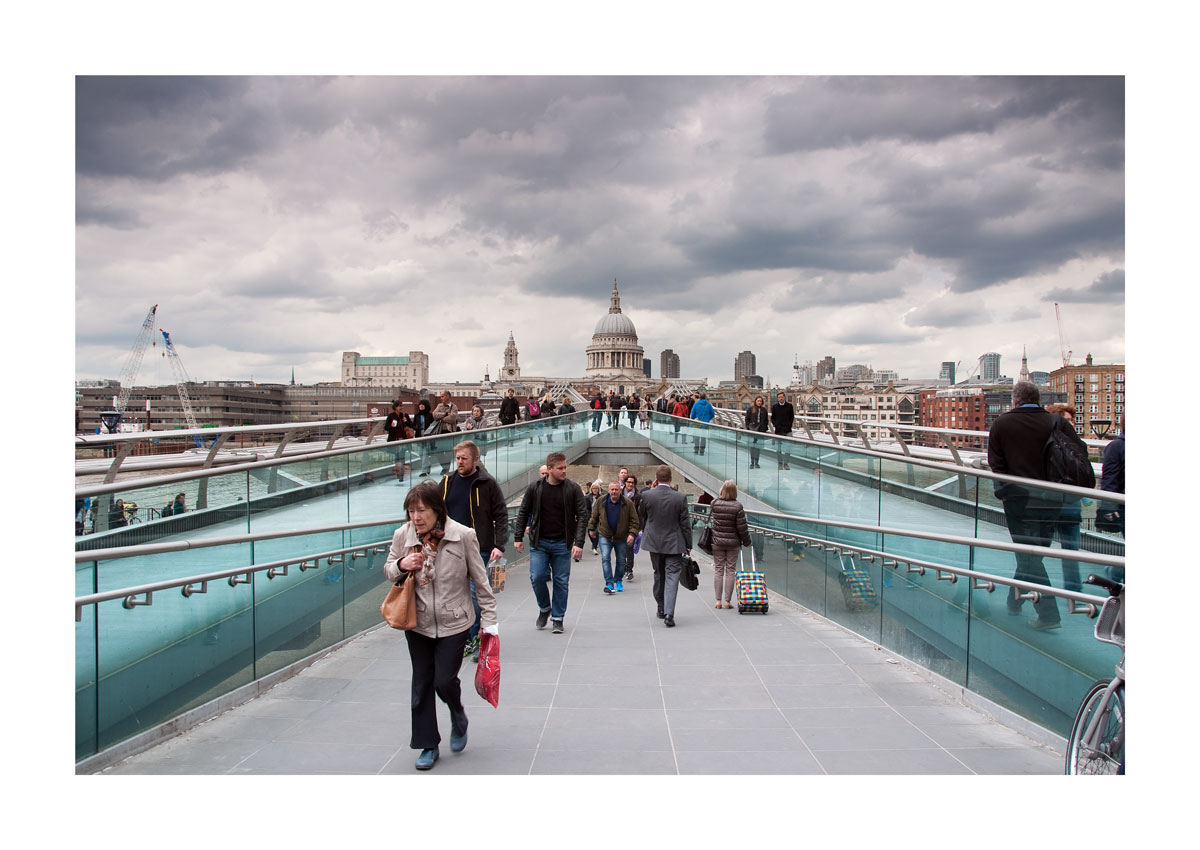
[667, 536]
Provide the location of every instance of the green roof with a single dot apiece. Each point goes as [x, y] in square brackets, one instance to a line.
[381, 361]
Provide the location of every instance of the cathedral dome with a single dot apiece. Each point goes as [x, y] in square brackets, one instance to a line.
[615, 324]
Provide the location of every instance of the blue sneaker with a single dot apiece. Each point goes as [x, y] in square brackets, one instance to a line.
[426, 759]
[620, 587]
[608, 588]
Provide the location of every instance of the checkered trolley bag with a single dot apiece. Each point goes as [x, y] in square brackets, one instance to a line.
[856, 585]
[751, 587]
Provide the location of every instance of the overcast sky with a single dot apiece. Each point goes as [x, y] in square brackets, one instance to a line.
[891, 221]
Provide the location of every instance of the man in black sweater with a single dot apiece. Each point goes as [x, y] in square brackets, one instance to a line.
[555, 514]
[782, 417]
[1016, 446]
[510, 411]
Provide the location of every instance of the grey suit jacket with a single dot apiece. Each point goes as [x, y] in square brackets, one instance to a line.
[667, 529]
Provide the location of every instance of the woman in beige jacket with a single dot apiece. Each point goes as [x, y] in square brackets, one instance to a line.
[439, 554]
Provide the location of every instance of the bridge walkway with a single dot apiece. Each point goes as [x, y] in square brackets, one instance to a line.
[618, 693]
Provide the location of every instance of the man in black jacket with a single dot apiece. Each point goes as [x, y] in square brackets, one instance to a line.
[555, 513]
[510, 411]
[1016, 446]
[782, 417]
[475, 499]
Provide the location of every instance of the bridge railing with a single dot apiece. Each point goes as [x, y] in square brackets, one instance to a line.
[944, 602]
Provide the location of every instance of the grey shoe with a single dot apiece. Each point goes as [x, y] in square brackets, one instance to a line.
[543, 618]
[558, 627]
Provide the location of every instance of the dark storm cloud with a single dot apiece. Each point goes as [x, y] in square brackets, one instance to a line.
[1107, 288]
[155, 128]
[843, 111]
[948, 312]
[100, 215]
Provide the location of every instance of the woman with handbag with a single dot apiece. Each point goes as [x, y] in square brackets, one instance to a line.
[729, 532]
[439, 554]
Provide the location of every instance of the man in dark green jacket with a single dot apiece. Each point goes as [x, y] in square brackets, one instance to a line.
[616, 521]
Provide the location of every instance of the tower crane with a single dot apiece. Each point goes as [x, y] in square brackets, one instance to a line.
[112, 418]
[181, 379]
[1062, 341]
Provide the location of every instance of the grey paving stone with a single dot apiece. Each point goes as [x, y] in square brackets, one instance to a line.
[912, 693]
[824, 696]
[709, 718]
[999, 761]
[748, 763]
[604, 739]
[759, 739]
[301, 757]
[608, 696]
[527, 672]
[732, 675]
[308, 687]
[609, 674]
[820, 738]
[891, 762]
[334, 730]
[807, 674]
[607, 718]
[608, 762]
[846, 717]
[716, 697]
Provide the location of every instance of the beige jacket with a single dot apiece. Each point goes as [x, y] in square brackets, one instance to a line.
[447, 414]
[444, 604]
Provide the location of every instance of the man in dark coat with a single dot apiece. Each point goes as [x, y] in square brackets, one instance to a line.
[474, 498]
[667, 536]
[1016, 446]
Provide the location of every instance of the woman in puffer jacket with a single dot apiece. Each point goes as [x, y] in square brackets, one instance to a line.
[729, 534]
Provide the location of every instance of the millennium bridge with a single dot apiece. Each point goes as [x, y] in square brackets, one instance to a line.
[257, 609]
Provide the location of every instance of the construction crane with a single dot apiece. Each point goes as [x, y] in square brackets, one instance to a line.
[1062, 340]
[112, 418]
[181, 379]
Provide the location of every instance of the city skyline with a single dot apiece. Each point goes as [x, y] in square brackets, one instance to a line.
[893, 221]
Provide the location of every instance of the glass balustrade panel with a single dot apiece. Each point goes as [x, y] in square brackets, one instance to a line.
[157, 661]
[85, 664]
[134, 514]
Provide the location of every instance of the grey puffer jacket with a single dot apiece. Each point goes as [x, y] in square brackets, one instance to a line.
[729, 524]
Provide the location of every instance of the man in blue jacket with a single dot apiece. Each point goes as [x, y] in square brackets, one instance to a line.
[702, 411]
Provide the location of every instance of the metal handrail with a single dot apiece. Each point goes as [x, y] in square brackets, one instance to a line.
[888, 425]
[101, 439]
[978, 580]
[128, 593]
[116, 552]
[999, 545]
[187, 584]
[155, 480]
[1083, 492]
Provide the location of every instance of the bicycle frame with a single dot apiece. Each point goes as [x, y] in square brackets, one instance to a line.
[1110, 628]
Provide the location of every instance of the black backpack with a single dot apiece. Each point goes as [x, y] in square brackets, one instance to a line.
[1064, 462]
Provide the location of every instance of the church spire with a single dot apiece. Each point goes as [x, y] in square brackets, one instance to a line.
[615, 306]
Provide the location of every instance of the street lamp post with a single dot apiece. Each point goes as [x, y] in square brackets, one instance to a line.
[1101, 427]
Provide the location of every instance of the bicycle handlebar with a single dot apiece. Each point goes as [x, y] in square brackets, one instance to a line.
[1114, 588]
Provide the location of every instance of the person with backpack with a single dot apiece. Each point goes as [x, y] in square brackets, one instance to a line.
[597, 411]
[1017, 446]
[533, 410]
[1070, 515]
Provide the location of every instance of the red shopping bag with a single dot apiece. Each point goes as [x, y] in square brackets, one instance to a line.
[487, 674]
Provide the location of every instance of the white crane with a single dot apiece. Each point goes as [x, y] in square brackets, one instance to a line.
[112, 418]
[181, 379]
[1062, 340]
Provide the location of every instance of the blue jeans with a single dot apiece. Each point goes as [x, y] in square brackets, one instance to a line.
[607, 545]
[1067, 529]
[474, 630]
[596, 420]
[546, 557]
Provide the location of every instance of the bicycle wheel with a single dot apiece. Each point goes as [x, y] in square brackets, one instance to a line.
[1110, 752]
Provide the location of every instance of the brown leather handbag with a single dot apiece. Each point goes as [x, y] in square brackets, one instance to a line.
[399, 609]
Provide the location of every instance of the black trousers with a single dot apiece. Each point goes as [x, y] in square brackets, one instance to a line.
[1031, 521]
[435, 666]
